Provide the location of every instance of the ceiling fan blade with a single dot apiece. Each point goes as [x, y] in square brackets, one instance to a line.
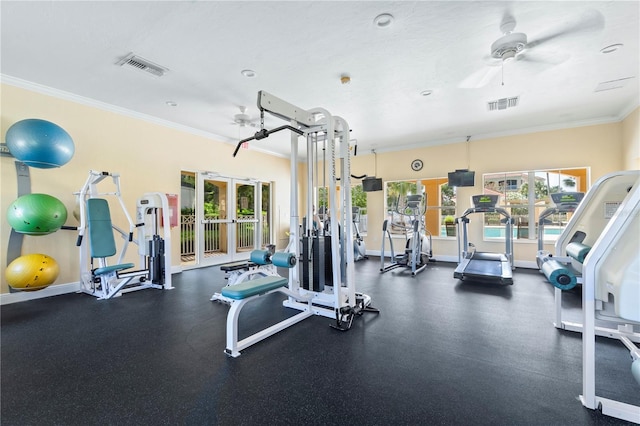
[591, 20]
[548, 58]
[480, 78]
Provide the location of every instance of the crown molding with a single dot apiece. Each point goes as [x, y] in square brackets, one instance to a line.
[61, 94]
[546, 128]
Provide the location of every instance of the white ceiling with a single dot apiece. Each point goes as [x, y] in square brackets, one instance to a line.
[300, 49]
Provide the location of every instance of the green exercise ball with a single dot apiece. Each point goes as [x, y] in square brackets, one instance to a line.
[32, 272]
[36, 214]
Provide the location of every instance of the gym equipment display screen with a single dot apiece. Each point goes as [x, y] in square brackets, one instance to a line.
[484, 201]
[566, 201]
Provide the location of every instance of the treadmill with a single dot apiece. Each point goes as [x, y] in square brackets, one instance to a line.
[485, 266]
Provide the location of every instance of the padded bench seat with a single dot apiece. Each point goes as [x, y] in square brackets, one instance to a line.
[112, 268]
[254, 287]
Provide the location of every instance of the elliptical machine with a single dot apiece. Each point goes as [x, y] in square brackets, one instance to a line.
[417, 250]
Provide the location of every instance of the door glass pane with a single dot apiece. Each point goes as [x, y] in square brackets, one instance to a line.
[214, 211]
[187, 217]
[266, 215]
[245, 217]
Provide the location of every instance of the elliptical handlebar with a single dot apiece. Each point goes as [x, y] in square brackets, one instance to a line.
[416, 204]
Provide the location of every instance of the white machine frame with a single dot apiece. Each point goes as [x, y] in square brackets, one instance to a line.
[593, 204]
[339, 301]
[234, 346]
[620, 235]
[117, 283]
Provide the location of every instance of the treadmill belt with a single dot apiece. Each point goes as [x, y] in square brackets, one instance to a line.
[498, 257]
[484, 267]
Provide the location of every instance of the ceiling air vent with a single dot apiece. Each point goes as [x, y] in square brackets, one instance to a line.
[142, 64]
[612, 84]
[503, 103]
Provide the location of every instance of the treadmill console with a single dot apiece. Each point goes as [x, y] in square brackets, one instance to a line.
[484, 202]
[566, 201]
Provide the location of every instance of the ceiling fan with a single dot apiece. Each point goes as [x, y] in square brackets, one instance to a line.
[515, 46]
[243, 119]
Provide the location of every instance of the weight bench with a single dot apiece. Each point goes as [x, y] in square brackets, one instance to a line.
[241, 271]
[244, 292]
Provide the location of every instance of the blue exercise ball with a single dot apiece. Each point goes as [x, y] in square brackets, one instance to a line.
[40, 143]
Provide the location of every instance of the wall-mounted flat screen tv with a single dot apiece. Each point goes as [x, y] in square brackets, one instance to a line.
[462, 178]
[371, 184]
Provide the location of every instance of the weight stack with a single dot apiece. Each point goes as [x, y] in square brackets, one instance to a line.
[316, 265]
[156, 260]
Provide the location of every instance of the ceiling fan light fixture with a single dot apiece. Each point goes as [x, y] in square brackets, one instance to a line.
[508, 55]
[508, 45]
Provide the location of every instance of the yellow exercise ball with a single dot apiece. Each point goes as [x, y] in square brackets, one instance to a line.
[32, 272]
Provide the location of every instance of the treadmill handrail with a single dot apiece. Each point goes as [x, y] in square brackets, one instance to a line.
[500, 210]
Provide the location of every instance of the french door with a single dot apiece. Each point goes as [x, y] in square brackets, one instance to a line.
[225, 220]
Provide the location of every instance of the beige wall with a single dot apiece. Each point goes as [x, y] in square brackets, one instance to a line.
[631, 141]
[148, 156]
[598, 147]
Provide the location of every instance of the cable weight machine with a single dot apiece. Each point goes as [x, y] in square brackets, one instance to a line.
[325, 273]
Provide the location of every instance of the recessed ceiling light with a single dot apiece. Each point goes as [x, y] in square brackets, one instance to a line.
[248, 73]
[171, 103]
[611, 48]
[383, 20]
[426, 92]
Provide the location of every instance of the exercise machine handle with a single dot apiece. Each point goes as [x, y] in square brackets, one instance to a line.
[264, 133]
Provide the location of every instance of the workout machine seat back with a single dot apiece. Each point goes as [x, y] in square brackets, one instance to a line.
[618, 271]
[101, 241]
[594, 212]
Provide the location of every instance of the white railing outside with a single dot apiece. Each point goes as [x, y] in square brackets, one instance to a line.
[245, 234]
